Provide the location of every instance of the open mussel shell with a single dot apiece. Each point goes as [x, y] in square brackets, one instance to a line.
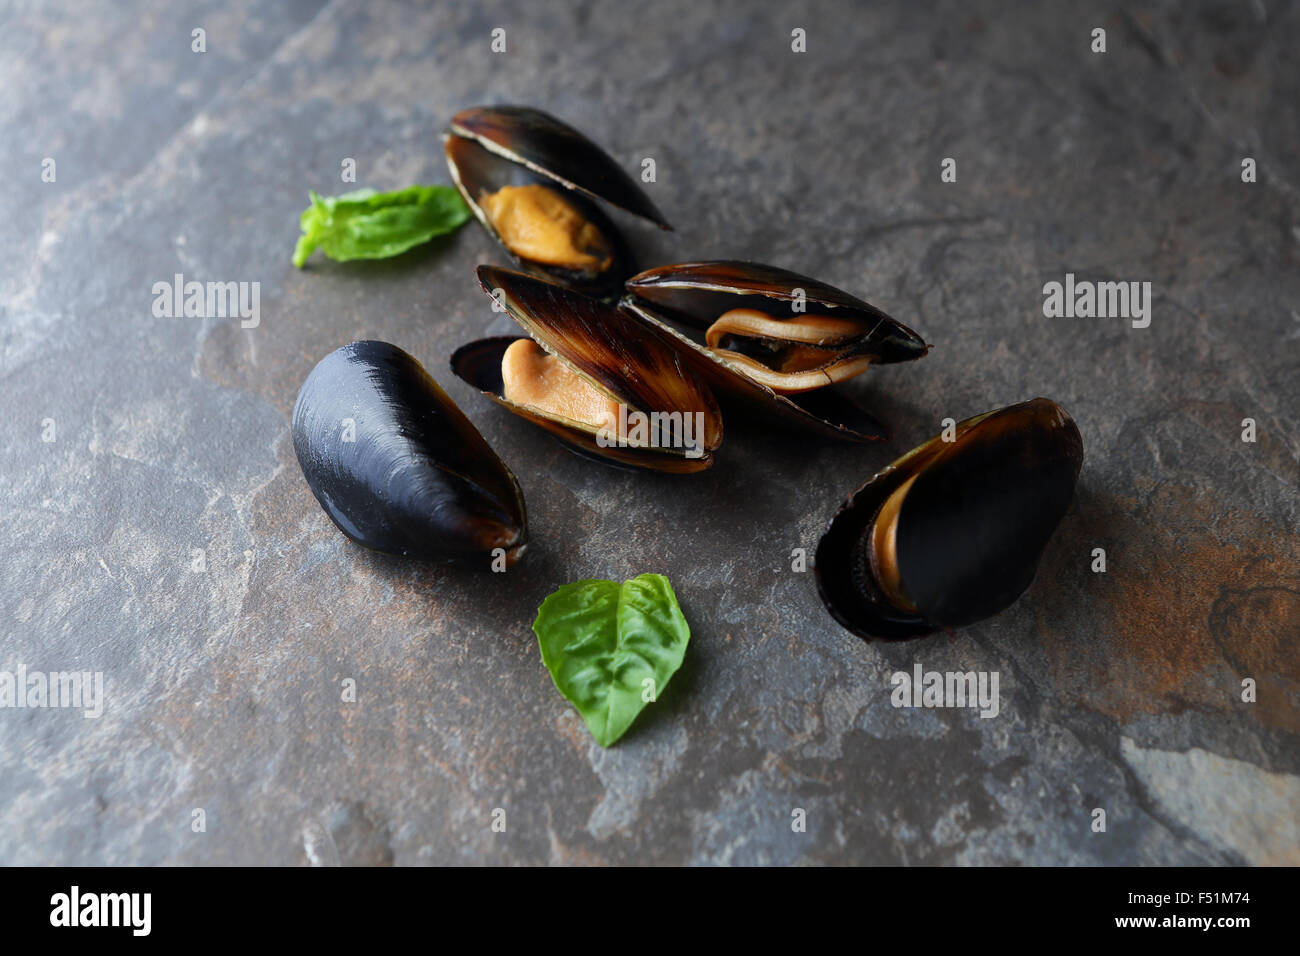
[491, 147]
[952, 532]
[545, 145]
[622, 358]
[694, 295]
[398, 467]
[826, 412]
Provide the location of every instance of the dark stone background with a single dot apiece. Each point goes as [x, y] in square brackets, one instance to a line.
[1119, 691]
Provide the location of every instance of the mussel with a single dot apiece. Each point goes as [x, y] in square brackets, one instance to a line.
[775, 339]
[600, 380]
[398, 467]
[952, 532]
[531, 181]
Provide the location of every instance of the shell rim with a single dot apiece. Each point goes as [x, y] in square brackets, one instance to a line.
[454, 128]
[606, 283]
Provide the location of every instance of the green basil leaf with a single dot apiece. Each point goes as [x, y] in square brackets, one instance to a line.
[603, 641]
[368, 225]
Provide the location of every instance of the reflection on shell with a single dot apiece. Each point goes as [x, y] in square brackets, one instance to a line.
[622, 358]
[774, 340]
[398, 467]
[490, 148]
[952, 532]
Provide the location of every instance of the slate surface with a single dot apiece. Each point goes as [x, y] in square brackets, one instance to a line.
[1119, 691]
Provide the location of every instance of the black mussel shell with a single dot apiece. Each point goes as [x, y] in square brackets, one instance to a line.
[476, 171]
[626, 359]
[827, 412]
[417, 479]
[692, 295]
[492, 147]
[696, 293]
[548, 146]
[971, 528]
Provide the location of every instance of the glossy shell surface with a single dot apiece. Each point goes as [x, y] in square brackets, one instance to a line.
[490, 147]
[624, 358]
[971, 528]
[696, 293]
[554, 149]
[397, 466]
[688, 297]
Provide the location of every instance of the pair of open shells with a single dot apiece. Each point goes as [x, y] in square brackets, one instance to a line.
[766, 338]
[949, 534]
[640, 355]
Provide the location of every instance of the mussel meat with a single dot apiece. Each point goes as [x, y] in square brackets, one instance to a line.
[398, 467]
[605, 383]
[775, 339]
[530, 180]
[952, 532]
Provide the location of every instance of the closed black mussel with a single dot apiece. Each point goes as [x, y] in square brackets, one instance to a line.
[952, 532]
[533, 182]
[398, 467]
[775, 340]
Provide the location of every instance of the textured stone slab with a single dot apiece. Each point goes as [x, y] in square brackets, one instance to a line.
[223, 687]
